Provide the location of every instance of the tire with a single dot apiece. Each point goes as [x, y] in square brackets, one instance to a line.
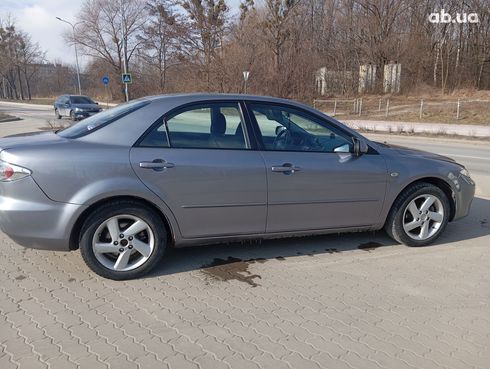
[111, 256]
[57, 114]
[72, 116]
[411, 222]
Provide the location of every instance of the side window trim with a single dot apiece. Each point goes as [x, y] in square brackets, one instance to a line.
[188, 107]
[308, 115]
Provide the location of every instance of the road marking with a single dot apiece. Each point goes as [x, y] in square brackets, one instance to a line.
[465, 156]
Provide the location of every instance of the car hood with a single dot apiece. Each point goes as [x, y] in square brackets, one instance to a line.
[29, 139]
[407, 151]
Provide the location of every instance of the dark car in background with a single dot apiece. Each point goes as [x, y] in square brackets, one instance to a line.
[75, 106]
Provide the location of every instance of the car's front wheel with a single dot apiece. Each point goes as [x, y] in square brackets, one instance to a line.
[419, 215]
[57, 114]
[72, 116]
[123, 240]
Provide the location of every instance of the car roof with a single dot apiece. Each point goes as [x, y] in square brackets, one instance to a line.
[218, 96]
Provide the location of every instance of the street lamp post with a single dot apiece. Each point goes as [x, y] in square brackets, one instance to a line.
[76, 53]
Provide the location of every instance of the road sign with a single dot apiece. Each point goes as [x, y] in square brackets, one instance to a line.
[105, 80]
[127, 78]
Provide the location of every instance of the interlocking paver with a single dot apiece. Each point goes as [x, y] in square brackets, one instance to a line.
[392, 307]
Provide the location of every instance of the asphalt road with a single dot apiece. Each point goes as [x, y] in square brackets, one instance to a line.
[28, 111]
[473, 154]
[349, 301]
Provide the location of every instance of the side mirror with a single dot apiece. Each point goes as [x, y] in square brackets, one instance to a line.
[345, 149]
[360, 146]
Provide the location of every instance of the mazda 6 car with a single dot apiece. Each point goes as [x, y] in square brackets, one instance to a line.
[126, 184]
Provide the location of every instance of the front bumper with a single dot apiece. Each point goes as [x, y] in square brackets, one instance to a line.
[31, 219]
[463, 196]
[84, 114]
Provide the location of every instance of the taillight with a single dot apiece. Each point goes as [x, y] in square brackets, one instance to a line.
[10, 172]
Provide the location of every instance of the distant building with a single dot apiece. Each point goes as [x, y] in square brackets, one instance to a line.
[367, 78]
[333, 81]
[391, 77]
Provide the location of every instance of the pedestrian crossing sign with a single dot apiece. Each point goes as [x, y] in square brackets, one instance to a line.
[127, 78]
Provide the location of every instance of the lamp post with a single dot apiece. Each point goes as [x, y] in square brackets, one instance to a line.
[76, 53]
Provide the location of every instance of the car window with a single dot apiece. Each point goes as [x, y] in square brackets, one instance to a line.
[102, 119]
[81, 100]
[285, 128]
[206, 126]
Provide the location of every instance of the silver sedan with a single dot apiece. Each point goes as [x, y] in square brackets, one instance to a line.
[170, 171]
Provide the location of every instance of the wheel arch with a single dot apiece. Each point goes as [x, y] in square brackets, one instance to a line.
[77, 227]
[438, 182]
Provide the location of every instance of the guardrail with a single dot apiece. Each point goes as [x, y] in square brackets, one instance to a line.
[395, 106]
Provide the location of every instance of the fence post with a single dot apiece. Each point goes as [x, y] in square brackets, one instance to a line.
[421, 108]
[334, 107]
[379, 107]
[355, 102]
[314, 103]
[360, 106]
[387, 107]
[457, 111]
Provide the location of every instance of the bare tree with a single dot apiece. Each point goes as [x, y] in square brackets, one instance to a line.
[109, 30]
[207, 21]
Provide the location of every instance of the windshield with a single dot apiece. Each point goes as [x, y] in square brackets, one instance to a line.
[100, 120]
[81, 100]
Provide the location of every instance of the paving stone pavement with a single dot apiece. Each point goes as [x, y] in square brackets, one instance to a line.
[355, 301]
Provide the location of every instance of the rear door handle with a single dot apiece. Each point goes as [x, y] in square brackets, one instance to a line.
[286, 168]
[157, 164]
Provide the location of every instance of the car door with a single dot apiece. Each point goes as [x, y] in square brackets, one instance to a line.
[314, 179]
[65, 106]
[198, 159]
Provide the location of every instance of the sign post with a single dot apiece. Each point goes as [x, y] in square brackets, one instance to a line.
[245, 78]
[127, 79]
[105, 81]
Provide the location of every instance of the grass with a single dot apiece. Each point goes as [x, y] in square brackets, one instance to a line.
[407, 109]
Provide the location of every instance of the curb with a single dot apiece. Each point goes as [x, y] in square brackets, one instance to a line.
[440, 129]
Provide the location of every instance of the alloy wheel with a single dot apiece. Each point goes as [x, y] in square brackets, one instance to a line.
[123, 243]
[423, 217]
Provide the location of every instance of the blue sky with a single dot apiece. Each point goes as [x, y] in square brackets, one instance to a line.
[37, 17]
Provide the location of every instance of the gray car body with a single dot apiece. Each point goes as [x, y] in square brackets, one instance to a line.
[211, 195]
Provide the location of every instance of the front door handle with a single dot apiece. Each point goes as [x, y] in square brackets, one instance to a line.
[286, 168]
[157, 164]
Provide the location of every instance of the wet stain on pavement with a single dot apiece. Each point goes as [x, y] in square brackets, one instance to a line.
[71, 280]
[20, 277]
[232, 269]
[369, 246]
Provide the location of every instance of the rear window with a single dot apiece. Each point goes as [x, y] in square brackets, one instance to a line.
[81, 100]
[102, 119]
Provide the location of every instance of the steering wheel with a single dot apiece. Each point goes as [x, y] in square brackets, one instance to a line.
[282, 139]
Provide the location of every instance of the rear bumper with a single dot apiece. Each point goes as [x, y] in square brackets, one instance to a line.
[31, 219]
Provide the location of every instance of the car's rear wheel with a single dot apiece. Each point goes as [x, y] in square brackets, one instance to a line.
[419, 215]
[57, 114]
[123, 240]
